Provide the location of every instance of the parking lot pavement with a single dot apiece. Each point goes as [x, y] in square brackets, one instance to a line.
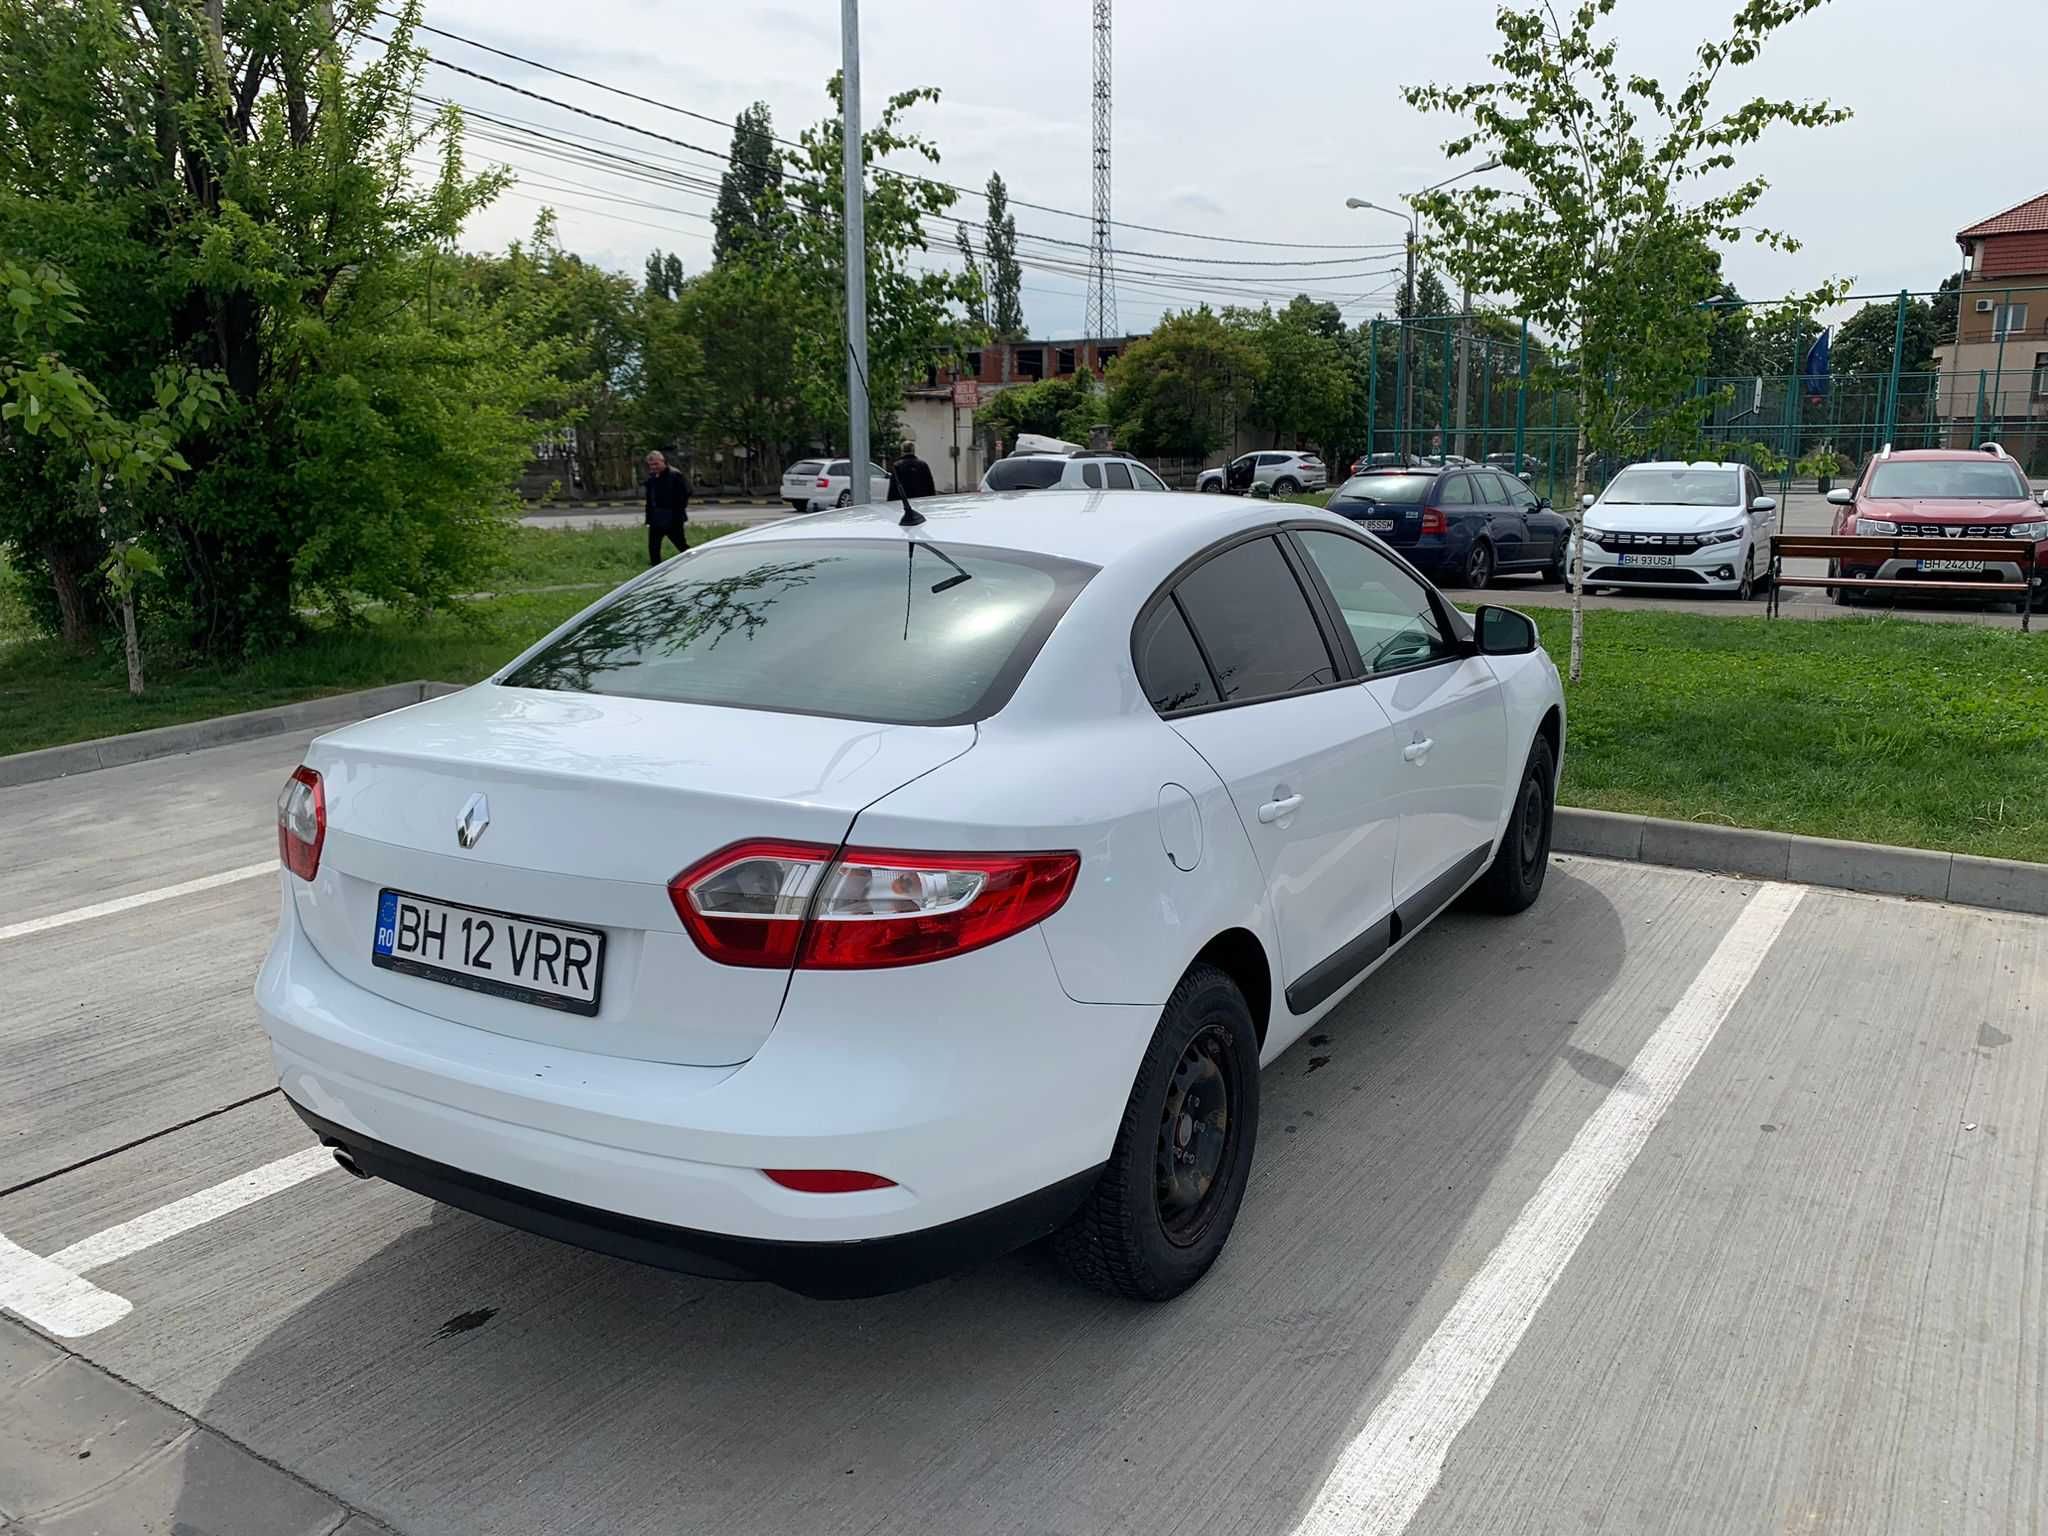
[1682, 1203]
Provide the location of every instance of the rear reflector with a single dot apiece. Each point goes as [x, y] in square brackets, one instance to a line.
[301, 822]
[827, 1181]
[778, 904]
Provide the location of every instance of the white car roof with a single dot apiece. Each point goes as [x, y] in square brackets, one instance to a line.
[1098, 527]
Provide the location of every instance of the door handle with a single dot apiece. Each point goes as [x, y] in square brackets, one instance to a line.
[1416, 750]
[1274, 810]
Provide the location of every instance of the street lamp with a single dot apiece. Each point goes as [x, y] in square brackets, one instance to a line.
[1490, 163]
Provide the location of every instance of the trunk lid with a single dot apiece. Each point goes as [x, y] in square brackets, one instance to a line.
[594, 804]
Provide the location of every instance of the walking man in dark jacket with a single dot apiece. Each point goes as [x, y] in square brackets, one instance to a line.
[668, 506]
[910, 476]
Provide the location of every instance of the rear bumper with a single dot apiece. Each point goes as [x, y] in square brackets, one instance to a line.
[827, 1270]
[976, 1092]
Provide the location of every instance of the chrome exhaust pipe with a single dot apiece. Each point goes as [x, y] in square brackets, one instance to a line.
[348, 1165]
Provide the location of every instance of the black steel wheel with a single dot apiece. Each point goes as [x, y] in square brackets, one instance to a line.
[1176, 1175]
[1515, 879]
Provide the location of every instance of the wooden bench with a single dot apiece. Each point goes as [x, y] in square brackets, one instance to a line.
[1841, 550]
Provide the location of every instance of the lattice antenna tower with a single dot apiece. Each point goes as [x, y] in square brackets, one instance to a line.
[1101, 274]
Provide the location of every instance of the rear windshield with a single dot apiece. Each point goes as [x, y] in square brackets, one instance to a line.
[1400, 490]
[806, 469]
[1029, 474]
[1949, 480]
[868, 629]
[1645, 486]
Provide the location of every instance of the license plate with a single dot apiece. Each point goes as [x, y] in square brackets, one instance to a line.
[1951, 565]
[1379, 525]
[551, 965]
[1647, 559]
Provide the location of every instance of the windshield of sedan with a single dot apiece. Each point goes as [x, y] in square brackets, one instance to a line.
[1948, 480]
[1394, 490]
[909, 632]
[1645, 486]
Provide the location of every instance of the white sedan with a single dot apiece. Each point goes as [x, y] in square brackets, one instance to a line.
[843, 900]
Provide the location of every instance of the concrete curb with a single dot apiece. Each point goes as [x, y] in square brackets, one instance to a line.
[169, 740]
[2008, 885]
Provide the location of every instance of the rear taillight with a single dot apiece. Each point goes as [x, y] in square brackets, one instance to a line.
[824, 482]
[777, 904]
[301, 822]
[1433, 521]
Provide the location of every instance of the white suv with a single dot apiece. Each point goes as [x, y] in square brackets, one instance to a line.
[1701, 527]
[1281, 473]
[1076, 472]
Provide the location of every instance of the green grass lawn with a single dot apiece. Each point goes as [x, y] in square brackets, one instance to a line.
[1874, 729]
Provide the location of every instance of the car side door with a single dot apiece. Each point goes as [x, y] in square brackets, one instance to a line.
[1446, 705]
[1543, 533]
[1309, 757]
[1464, 517]
[1505, 524]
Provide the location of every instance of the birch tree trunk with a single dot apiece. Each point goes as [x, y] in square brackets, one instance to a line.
[130, 644]
[1578, 517]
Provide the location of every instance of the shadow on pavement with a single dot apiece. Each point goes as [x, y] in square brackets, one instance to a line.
[468, 1378]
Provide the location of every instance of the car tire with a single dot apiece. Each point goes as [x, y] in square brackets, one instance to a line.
[845, 498]
[1515, 879]
[1556, 570]
[1477, 571]
[1745, 590]
[1211, 487]
[1286, 486]
[799, 506]
[1155, 1221]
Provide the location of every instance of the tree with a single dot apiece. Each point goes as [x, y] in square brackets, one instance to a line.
[750, 185]
[1182, 390]
[977, 288]
[1609, 248]
[915, 314]
[1947, 301]
[664, 275]
[234, 183]
[1303, 388]
[1062, 408]
[1005, 278]
[1863, 342]
[744, 315]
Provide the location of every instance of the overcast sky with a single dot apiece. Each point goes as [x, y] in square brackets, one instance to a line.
[1255, 123]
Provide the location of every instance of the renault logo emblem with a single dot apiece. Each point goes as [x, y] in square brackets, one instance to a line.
[474, 820]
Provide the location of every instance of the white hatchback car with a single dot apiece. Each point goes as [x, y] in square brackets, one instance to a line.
[1701, 527]
[812, 484]
[843, 900]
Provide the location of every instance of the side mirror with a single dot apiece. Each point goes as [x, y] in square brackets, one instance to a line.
[1843, 497]
[1764, 504]
[1504, 632]
[1585, 502]
[1526, 478]
[1542, 502]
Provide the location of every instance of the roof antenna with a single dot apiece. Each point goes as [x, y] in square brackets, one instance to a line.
[911, 516]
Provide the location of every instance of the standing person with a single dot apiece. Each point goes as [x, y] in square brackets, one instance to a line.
[668, 506]
[911, 476]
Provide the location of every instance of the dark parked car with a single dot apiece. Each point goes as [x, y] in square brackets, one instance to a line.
[1462, 526]
[1528, 466]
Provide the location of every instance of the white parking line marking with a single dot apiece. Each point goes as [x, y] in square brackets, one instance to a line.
[1384, 1474]
[167, 1221]
[52, 1297]
[50, 1294]
[139, 899]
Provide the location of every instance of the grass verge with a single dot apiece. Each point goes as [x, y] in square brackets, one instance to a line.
[1875, 729]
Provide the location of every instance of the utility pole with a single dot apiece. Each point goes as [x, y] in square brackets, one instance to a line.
[1408, 353]
[854, 174]
[1464, 344]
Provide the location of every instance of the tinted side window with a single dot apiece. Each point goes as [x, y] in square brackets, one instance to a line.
[845, 467]
[1255, 623]
[1170, 668]
[1455, 491]
[1119, 476]
[1027, 474]
[1389, 613]
[1147, 481]
[1091, 476]
[1488, 487]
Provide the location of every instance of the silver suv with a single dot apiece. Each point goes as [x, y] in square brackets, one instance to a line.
[1279, 472]
[1076, 472]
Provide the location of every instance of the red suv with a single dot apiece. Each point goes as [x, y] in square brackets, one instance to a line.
[1943, 493]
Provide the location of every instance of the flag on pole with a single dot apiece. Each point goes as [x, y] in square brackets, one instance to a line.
[1816, 370]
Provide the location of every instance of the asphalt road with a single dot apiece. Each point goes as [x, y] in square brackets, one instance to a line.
[1679, 1204]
